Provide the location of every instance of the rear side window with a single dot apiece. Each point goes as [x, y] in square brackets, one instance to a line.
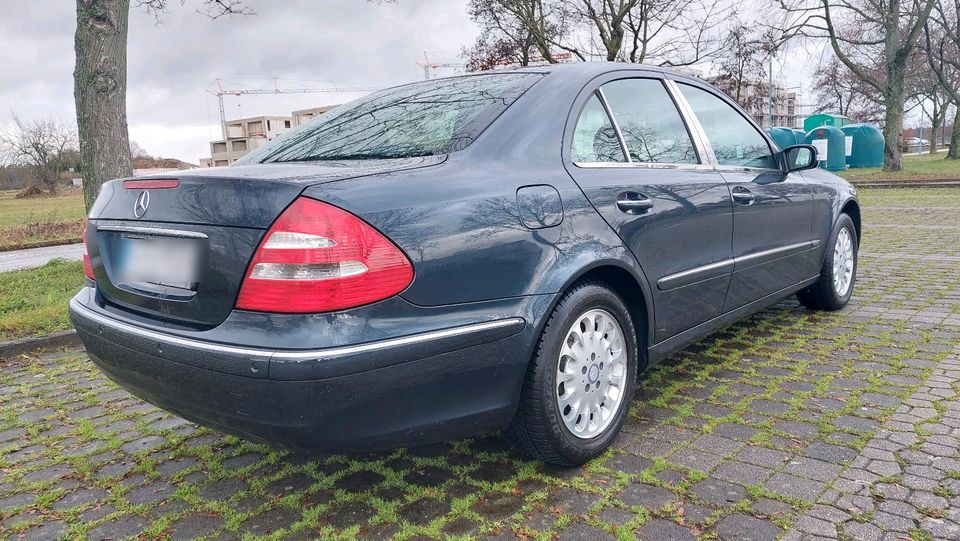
[421, 119]
[594, 138]
[649, 121]
[734, 140]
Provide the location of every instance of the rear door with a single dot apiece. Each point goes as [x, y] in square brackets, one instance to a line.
[772, 210]
[636, 161]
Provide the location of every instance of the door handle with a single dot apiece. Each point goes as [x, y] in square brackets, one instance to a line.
[743, 196]
[634, 202]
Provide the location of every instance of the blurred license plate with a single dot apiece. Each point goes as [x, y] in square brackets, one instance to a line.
[161, 261]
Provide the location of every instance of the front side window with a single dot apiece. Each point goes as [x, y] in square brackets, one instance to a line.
[734, 140]
[420, 119]
[594, 138]
[649, 121]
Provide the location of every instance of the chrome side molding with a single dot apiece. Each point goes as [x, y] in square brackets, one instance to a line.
[763, 256]
[696, 274]
[726, 266]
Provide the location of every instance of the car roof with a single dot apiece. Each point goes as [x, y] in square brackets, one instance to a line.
[582, 71]
[596, 68]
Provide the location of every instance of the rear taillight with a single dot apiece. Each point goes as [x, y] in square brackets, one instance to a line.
[319, 258]
[152, 184]
[87, 263]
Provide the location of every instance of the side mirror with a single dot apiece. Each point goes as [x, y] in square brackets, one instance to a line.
[800, 157]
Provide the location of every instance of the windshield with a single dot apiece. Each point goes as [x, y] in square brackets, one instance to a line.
[420, 119]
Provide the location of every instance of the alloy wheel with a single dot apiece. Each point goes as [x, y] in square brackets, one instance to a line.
[591, 374]
[843, 262]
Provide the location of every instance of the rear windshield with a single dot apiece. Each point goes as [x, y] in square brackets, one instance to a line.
[420, 119]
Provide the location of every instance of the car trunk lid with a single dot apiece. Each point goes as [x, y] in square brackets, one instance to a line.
[179, 254]
[241, 196]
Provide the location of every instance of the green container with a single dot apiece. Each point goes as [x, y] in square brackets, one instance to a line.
[782, 136]
[824, 119]
[831, 147]
[867, 145]
[799, 137]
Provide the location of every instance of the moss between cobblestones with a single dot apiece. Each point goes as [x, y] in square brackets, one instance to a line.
[778, 382]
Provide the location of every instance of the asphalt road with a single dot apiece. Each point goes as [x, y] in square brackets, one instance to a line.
[37, 257]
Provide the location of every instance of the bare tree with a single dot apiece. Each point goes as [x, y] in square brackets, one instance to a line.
[953, 153]
[100, 83]
[838, 90]
[608, 18]
[43, 145]
[664, 32]
[740, 65]
[928, 94]
[676, 32]
[864, 34]
[935, 107]
[942, 48]
[491, 51]
[138, 152]
[505, 36]
[515, 32]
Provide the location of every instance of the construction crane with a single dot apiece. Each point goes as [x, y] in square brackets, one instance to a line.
[427, 65]
[220, 92]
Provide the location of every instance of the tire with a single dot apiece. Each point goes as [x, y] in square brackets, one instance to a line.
[824, 293]
[546, 427]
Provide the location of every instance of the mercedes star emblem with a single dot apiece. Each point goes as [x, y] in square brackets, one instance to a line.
[142, 204]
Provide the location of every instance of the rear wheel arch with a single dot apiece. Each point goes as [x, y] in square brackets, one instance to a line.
[628, 286]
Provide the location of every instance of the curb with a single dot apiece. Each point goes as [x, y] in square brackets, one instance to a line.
[907, 184]
[26, 345]
[42, 244]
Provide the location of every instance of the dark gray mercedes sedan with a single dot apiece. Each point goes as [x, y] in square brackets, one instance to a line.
[507, 250]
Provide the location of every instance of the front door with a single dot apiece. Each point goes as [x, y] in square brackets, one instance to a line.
[636, 161]
[772, 210]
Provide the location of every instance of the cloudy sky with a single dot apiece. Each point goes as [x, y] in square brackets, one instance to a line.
[350, 43]
[310, 43]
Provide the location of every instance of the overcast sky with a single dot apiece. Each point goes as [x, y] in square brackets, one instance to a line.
[350, 43]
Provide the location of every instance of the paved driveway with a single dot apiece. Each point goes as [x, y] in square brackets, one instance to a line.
[37, 257]
[792, 424]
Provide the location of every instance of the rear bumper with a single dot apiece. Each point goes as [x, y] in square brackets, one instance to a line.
[429, 386]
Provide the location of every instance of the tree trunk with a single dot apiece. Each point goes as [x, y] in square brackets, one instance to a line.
[613, 46]
[934, 134]
[954, 152]
[893, 128]
[936, 121]
[99, 89]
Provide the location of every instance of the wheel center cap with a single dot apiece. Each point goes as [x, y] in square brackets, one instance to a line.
[593, 373]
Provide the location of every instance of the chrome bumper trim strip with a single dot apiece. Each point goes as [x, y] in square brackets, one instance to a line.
[266, 354]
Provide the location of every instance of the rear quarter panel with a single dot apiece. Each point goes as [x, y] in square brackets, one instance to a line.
[459, 222]
[460, 225]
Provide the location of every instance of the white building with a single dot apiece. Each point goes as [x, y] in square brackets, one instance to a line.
[304, 115]
[246, 134]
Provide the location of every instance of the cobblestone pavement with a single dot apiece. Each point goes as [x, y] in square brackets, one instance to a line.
[791, 424]
[906, 480]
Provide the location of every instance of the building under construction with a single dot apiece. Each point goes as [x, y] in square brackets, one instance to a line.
[779, 108]
[246, 134]
[242, 135]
